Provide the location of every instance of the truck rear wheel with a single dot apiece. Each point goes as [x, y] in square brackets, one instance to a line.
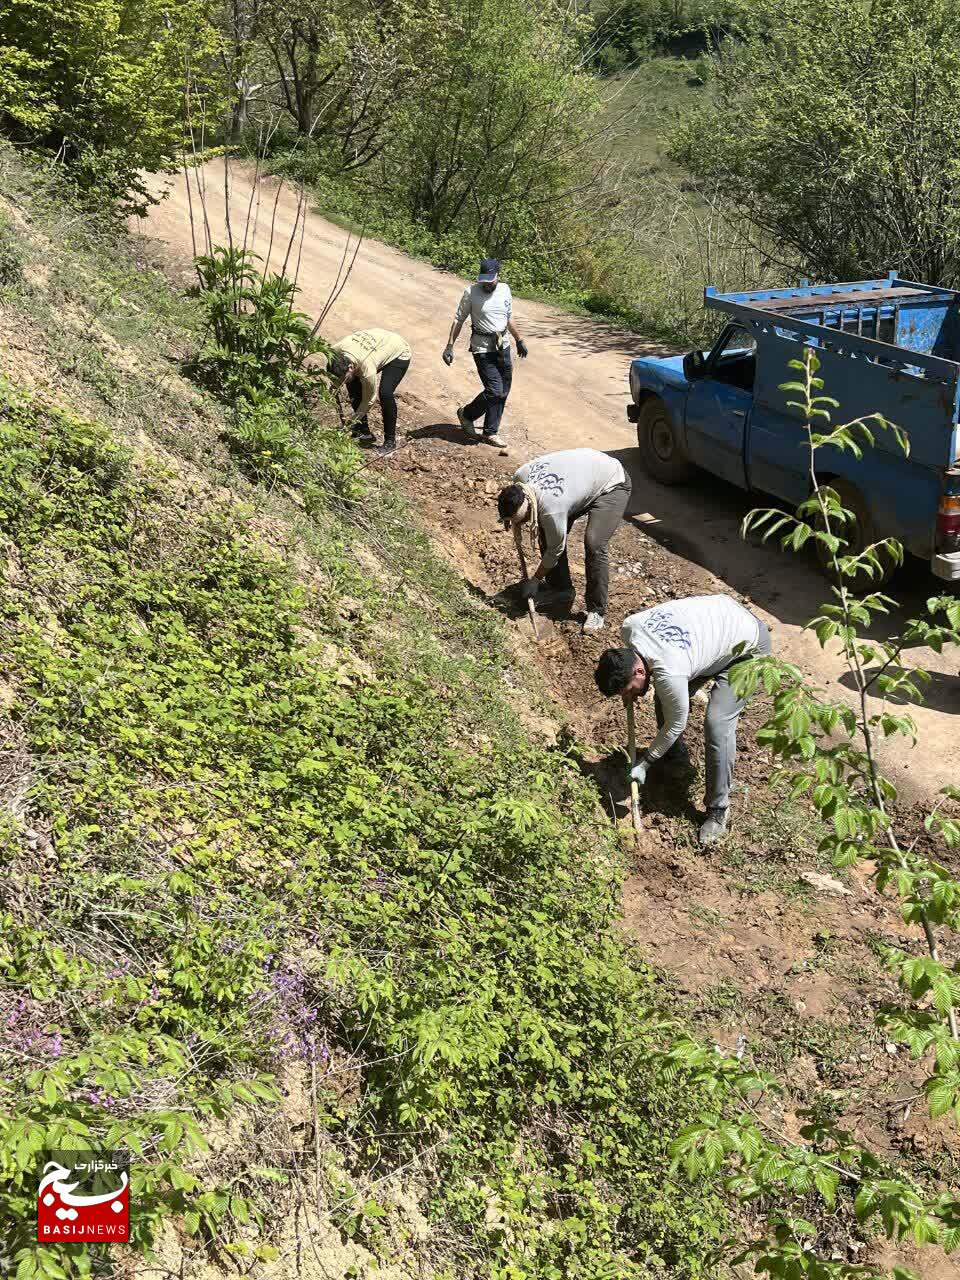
[857, 534]
[661, 445]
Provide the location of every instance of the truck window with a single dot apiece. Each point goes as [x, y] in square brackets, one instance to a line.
[734, 359]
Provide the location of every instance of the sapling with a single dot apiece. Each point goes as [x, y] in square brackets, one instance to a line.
[828, 751]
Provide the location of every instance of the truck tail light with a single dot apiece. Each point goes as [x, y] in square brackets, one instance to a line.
[948, 513]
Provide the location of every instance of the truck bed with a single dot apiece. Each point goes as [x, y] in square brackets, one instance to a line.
[887, 347]
[900, 314]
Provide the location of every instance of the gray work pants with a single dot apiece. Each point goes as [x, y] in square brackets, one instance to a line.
[603, 520]
[719, 729]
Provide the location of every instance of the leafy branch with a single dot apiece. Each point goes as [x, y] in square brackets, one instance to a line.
[828, 751]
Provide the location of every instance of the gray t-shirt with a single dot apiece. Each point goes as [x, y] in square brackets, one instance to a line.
[684, 642]
[489, 314]
[567, 484]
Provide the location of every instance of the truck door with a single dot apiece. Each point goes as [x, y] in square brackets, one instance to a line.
[719, 403]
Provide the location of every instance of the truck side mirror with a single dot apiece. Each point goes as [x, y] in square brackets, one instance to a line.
[694, 364]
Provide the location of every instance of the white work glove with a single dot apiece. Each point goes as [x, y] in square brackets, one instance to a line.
[638, 773]
[448, 355]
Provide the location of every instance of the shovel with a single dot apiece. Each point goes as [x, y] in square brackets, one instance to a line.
[523, 569]
[634, 786]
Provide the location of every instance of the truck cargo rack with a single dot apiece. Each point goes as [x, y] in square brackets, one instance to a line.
[852, 318]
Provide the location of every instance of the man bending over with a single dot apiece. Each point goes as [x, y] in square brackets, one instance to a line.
[359, 359]
[548, 495]
[678, 647]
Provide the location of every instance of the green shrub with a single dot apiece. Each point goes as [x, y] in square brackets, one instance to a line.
[257, 358]
[263, 437]
[257, 343]
[277, 440]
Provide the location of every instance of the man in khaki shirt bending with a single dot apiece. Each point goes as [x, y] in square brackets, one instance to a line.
[357, 360]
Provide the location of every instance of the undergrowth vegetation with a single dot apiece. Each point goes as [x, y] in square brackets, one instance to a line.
[254, 854]
[268, 827]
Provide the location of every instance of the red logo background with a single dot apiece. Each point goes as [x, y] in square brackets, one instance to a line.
[66, 1214]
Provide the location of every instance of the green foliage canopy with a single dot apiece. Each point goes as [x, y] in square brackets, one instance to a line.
[100, 83]
[490, 111]
[502, 147]
[834, 131]
[628, 31]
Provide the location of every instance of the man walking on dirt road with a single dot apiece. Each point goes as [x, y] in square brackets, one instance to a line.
[679, 646]
[548, 494]
[489, 304]
[357, 360]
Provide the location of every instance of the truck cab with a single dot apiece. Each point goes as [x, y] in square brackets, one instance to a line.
[885, 346]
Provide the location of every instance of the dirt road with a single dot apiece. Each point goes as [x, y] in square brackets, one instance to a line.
[571, 391]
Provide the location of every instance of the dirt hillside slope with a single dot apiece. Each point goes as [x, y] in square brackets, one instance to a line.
[757, 958]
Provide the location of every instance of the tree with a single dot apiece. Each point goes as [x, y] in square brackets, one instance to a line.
[834, 129]
[100, 83]
[344, 68]
[240, 54]
[501, 145]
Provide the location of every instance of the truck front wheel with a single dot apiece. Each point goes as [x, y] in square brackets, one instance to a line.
[857, 534]
[661, 446]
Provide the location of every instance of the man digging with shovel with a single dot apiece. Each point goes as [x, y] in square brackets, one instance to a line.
[547, 495]
[679, 646]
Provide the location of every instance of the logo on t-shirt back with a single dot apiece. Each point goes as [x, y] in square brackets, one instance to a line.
[547, 481]
[662, 624]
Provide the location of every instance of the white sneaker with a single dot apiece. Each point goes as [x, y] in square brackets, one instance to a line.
[465, 422]
[593, 622]
[497, 440]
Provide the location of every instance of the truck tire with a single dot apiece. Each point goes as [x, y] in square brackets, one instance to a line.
[661, 445]
[859, 534]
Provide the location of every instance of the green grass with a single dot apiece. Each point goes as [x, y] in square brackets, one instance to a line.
[646, 103]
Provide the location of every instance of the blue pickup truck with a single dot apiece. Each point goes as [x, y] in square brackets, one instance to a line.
[885, 346]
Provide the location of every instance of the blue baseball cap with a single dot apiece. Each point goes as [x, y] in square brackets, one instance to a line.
[489, 270]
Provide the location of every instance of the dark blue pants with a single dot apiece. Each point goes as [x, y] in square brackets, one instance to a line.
[496, 373]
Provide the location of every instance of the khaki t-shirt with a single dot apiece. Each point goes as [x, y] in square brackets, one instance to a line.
[370, 350]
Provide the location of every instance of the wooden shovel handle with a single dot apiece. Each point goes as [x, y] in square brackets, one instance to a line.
[523, 569]
[634, 786]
